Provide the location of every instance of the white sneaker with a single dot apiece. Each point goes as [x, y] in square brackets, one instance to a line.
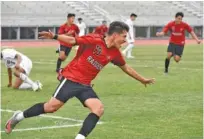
[39, 84]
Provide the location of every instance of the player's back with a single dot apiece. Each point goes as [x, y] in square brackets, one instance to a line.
[9, 57]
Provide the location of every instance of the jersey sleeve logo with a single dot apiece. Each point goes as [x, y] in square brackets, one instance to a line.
[97, 50]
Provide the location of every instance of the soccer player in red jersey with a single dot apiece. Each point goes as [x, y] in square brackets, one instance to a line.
[177, 39]
[69, 29]
[93, 54]
[102, 29]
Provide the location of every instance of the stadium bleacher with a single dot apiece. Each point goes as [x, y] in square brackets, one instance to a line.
[45, 13]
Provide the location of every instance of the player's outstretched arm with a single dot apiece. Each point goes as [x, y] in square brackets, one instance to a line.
[10, 77]
[195, 37]
[160, 34]
[51, 35]
[131, 72]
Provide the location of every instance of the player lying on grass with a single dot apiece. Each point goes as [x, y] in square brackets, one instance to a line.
[22, 66]
[93, 54]
[177, 39]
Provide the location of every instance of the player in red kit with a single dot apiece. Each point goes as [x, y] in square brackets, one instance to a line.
[177, 39]
[69, 29]
[102, 29]
[94, 53]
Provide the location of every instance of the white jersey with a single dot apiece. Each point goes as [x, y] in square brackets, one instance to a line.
[82, 28]
[10, 59]
[130, 35]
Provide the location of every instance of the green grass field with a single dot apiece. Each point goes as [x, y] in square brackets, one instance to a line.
[169, 109]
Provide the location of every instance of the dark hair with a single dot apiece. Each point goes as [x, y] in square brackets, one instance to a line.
[132, 14]
[117, 27]
[104, 21]
[79, 19]
[1, 55]
[179, 14]
[70, 15]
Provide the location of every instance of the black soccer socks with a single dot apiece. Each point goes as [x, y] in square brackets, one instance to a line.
[89, 124]
[35, 110]
[59, 62]
[167, 61]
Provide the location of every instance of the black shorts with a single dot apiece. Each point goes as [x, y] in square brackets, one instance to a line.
[175, 49]
[68, 89]
[67, 50]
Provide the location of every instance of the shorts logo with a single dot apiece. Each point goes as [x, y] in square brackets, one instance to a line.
[97, 50]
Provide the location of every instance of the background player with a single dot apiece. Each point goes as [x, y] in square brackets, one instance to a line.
[130, 37]
[94, 53]
[82, 27]
[177, 38]
[69, 29]
[102, 29]
[22, 65]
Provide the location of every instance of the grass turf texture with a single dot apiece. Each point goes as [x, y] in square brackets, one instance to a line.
[170, 109]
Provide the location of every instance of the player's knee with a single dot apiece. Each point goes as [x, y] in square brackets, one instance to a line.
[49, 108]
[99, 110]
[62, 57]
[177, 59]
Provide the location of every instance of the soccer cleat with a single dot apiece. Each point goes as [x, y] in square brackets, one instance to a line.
[12, 122]
[39, 84]
[166, 71]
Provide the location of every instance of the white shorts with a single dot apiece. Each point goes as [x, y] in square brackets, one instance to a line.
[27, 65]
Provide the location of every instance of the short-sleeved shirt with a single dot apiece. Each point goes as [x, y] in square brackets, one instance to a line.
[82, 27]
[9, 57]
[102, 30]
[65, 29]
[177, 32]
[90, 59]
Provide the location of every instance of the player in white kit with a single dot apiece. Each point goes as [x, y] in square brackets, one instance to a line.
[22, 66]
[130, 37]
[82, 27]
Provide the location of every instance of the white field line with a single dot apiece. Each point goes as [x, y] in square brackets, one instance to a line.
[50, 116]
[44, 128]
[135, 65]
[48, 127]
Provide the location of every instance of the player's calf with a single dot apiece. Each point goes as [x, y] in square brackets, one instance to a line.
[97, 110]
[61, 58]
